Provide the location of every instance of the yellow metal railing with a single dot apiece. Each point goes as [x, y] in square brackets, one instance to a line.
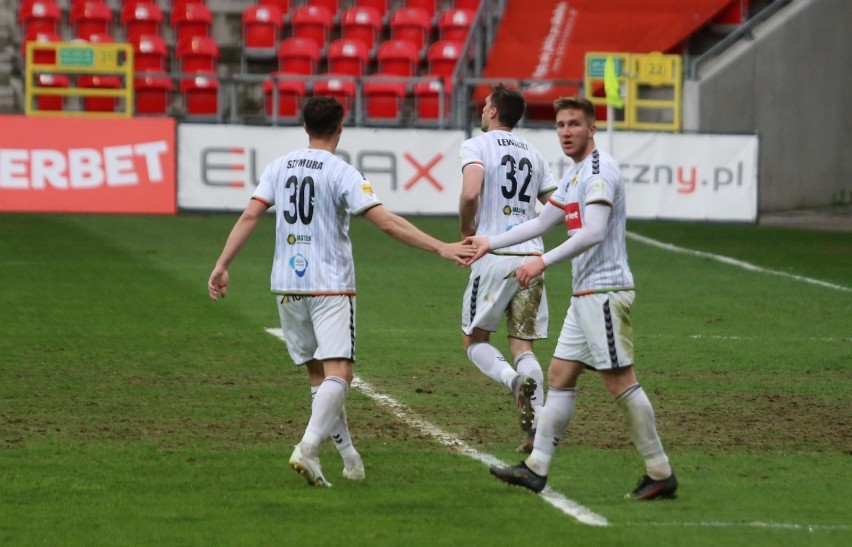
[652, 89]
[69, 61]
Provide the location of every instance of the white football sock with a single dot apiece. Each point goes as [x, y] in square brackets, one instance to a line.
[325, 411]
[340, 432]
[492, 363]
[555, 416]
[642, 426]
[526, 363]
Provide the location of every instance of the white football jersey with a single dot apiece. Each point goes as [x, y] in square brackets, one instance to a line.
[515, 175]
[596, 179]
[314, 193]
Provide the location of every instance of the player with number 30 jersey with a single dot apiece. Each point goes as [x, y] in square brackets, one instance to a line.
[314, 193]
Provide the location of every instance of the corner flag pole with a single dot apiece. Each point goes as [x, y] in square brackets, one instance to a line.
[613, 97]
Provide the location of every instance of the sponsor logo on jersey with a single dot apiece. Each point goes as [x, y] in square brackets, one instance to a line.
[366, 187]
[292, 239]
[572, 216]
[299, 264]
[512, 210]
[598, 186]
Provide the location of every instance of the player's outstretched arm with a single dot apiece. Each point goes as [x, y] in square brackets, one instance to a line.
[217, 284]
[480, 243]
[402, 230]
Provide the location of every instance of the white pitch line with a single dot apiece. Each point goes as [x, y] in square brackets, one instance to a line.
[551, 496]
[734, 262]
[753, 524]
[799, 339]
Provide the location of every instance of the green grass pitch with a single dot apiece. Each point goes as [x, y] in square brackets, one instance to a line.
[135, 411]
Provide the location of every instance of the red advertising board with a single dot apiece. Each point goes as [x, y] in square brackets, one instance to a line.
[74, 165]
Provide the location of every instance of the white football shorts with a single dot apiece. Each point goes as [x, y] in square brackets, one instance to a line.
[318, 327]
[597, 331]
[493, 293]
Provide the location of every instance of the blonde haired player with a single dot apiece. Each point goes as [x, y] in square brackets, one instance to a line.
[597, 333]
[313, 276]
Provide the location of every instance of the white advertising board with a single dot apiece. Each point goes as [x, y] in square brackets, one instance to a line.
[412, 172]
[675, 176]
[667, 176]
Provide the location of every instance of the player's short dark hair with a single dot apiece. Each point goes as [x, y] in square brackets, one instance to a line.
[322, 116]
[576, 103]
[510, 104]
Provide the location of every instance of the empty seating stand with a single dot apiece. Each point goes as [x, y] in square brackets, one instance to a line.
[190, 19]
[40, 17]
[298, 56]
[411, 24]
[153, 94]
[313, 23]
[432, 101]
[443, 56]
[141, 18]
[361, 23]
[90, 17]
[261, 31]
[150, 53]
[197, 54]
[454, 24]
[398, 57]
[290, 94]
[384, 100]
[348, 56]
[200, 96]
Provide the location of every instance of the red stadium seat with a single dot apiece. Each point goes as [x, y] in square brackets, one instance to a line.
[177, 5]
[261, 31]
[149, 53]
[283, 5]
[39, 17]
[412, 24]
[383, 100]
[348, 57]
[191, 19]
[51, 102]
[472, 5]
[333, 6]
[141, 18]
[381, 6]
[197, 54]
[429, 6]
[90, 17]
[41, 55]
[340, 87]
[153, 94]
[361, 23]
[454, 24]
[399, 57]
[312, 22]
[427, 100]
[298, 56]
[290, 96]
[443, 56]
[200, 95]
[97, 81]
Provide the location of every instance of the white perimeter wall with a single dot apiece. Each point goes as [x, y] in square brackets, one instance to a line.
[689, 177]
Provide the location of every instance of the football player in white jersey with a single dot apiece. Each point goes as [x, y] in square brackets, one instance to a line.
[502, 177]
[315, 193]
[597, 333]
